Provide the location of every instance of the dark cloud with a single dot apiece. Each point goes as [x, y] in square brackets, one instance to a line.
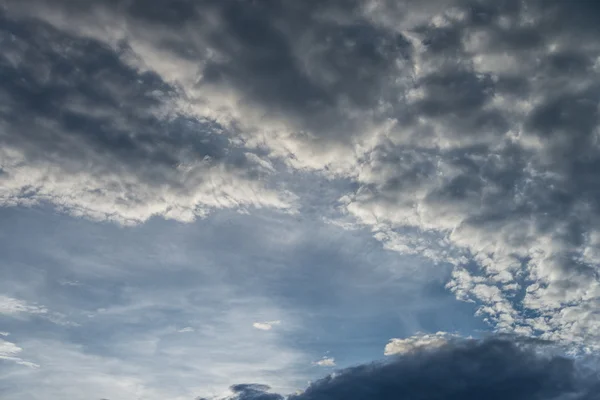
[313, 65]
[473, 122]
[254, 392]
[75, 106]
[309, 64]
[495, 368]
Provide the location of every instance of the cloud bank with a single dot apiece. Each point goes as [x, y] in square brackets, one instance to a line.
[494, 368]
[83, 130]
[467, 130]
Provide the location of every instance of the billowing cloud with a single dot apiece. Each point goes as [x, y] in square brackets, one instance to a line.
[493, 369]
[83, 130]
[494, 165]
[303, 81]
[466, 130]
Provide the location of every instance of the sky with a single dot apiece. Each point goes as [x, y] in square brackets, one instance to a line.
[299, 200]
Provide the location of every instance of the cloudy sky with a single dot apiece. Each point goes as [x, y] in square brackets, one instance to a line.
[251, 199]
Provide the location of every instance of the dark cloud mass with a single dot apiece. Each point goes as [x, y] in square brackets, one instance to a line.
[111, 135]
[495, 369]
[471, 125]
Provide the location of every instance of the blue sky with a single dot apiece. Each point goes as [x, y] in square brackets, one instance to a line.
[187, 295]
[198, 194]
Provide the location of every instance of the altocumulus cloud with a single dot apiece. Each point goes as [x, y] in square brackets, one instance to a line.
[495, 368]
[468, 129]
[98, 138]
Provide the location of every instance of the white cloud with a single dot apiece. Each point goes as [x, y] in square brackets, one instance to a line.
[265, 326]
[325, 362]
[186, 329]
[21, 309]
[507, 202]
[12, 306]
[417, 342]
[191, 192]
[10, 352]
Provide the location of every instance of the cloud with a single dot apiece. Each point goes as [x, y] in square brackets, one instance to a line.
[325, 362]
[265, 326]
[467, 130]
[491, 168]
[10, 352]
[98, 138]
[186, 329]
[253, 392]
[494, 368]
[20, 309]
[13, 307]
[263, 70]
[417, 342]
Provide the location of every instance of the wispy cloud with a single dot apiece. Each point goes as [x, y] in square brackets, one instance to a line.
[21, 309]
[12, 306]
[10, 352]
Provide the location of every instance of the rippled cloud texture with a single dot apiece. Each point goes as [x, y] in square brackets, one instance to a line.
[462, 137]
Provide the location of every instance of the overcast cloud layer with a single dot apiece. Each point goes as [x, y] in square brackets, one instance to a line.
[462, 135]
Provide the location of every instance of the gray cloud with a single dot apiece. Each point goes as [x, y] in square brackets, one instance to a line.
[500, 164]
[254, 391]
[495, 368]
[469, 128]
[298, 78]
[87, 132]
